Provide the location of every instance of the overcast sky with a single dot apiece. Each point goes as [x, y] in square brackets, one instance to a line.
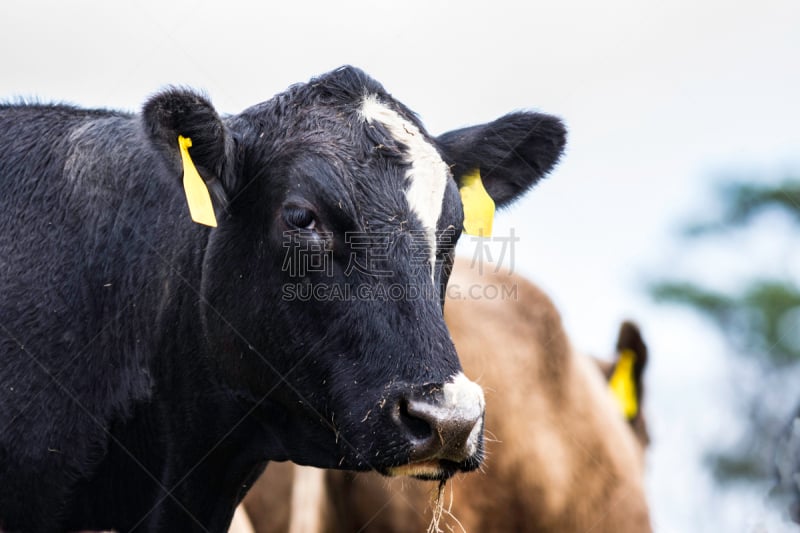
[659, 98]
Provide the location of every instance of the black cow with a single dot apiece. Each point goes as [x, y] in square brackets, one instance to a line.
[151, 366]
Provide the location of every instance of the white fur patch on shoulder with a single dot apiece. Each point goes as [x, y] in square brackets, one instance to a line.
[428, 173]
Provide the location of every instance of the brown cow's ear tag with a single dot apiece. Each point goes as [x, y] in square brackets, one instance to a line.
[623, 386]
[200, 207]
[478, 205]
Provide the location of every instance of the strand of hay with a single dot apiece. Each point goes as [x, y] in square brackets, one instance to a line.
[438, 509]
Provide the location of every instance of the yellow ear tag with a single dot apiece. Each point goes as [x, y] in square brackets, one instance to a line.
[623, 386]
[478, 205]
[200, 206]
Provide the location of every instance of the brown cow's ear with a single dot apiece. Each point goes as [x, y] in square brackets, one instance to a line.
[623, 385]
[628, 371]
[511, 154]
[630, 338]
[187, 131]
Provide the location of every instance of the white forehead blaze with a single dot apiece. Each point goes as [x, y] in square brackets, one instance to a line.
[427, 173]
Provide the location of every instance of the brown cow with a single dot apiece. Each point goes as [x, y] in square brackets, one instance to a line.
[559, 455]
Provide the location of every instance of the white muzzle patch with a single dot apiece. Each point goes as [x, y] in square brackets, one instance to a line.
[464, 398]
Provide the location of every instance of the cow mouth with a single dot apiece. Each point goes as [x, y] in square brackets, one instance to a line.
[431, 470]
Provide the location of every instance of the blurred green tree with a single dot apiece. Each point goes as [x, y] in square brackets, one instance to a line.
[760, 321]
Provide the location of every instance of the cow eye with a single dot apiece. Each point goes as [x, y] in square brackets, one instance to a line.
[300, 218]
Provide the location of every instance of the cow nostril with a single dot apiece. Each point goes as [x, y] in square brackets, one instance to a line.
[418, 428]
[440, 422]
[440, 431]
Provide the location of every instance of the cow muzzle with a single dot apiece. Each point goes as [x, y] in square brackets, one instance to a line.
[444, 426]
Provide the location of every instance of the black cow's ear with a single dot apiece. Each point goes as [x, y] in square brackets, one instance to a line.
[512, 153]
[176, 113]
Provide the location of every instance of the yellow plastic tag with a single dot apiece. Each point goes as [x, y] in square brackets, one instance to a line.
[478, 205]
[200, 207]
[623, 386]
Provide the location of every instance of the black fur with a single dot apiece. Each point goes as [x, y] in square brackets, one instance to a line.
[149, 366]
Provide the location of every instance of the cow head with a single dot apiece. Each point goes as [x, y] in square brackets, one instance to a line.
[323, 282]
